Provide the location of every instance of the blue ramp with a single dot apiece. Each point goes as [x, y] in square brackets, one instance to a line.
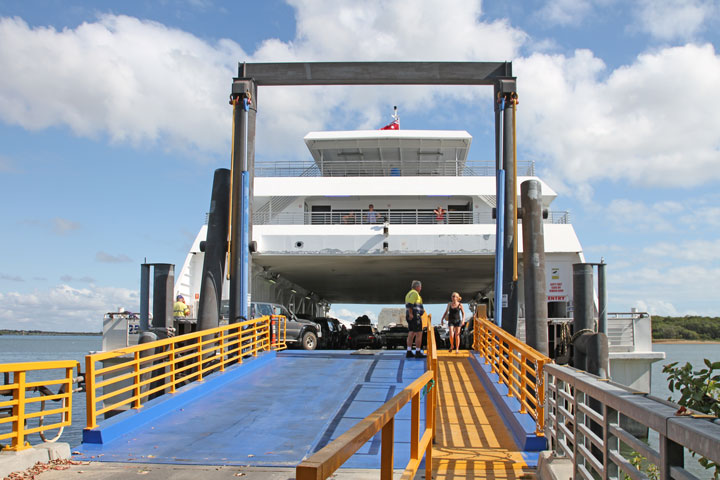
[276, 412]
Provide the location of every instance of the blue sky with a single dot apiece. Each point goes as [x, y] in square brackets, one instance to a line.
[114, 115]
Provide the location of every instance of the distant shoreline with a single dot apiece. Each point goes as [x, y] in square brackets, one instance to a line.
[40, 332]
[680, 340]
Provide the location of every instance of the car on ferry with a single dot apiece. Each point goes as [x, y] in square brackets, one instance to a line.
[301, 332]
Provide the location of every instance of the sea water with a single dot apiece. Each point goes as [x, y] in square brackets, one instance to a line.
[42, 348]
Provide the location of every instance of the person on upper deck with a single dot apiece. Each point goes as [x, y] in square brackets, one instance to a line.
[413, 315]
[371, 214]
[439, 214]
[455, 314]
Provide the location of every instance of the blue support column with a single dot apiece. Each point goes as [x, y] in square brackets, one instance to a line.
[499, 243]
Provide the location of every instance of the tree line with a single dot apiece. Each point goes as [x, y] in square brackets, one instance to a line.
[689, 327]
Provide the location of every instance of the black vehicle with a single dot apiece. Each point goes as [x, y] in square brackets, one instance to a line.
[467, 335]
[342, 333]
[330, 332]
[300, 332]
[394, 336]
[361, 336]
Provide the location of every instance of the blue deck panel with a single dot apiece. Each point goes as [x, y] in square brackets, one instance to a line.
[279, 413]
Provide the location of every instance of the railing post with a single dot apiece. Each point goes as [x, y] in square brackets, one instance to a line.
[90, 403]
[540, 388]
[67, 414]
[199, 359]
[136, 379]
[172, 367]
[523, 382]
[18, 442]
[387, 446]
[255, 337]
[222, 349]
[415, 427]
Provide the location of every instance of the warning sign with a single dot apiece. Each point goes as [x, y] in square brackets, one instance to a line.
[558, 284]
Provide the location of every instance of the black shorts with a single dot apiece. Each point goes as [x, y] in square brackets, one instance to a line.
[415, 325]
[454, 322]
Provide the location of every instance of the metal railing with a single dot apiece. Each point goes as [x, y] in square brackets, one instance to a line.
[132, 376]
[331, 457]
[518, 366]
[29, 399]
[393, 217]
[349, 168]
[583, 424]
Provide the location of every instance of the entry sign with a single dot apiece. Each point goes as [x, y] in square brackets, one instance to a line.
[558, 283]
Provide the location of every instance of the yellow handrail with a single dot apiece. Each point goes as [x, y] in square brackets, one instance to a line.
[518, 366]
[21, 391]
[131, 376]
[331, 457]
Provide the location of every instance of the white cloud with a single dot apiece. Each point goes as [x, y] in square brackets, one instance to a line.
[135, 81]
[105, 257]
[63, 308]
[674, 19]
[629, 215]
[701, 251]
[61, 226]
[656, 307]
[348, 316]
[138, 81]
[640, 123]
[565, 12]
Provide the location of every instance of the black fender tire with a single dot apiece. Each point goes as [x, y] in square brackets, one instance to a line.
[309, 341]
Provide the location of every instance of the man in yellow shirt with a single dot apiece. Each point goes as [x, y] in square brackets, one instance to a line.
[180, 310]
[413, 315]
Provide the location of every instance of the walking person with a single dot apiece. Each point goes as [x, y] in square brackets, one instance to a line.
[413, 315]
[455, 314]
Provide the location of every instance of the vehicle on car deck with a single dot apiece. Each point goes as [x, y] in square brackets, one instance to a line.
[394, 336]
[363, 336]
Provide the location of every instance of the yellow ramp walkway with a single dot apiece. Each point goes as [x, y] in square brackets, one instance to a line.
[471, 440]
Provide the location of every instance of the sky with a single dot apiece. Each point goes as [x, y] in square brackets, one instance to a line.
[114, 115]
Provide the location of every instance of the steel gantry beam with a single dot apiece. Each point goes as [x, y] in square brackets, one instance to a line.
[254, 75]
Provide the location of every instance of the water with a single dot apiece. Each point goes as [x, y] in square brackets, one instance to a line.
[37, 348]
[681, 353]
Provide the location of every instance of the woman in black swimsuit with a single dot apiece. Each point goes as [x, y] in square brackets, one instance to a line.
[455, 314]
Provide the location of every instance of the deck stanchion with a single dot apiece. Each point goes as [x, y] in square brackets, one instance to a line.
[173, 380]
[387, 450]
[90, 403]
[415, 427]
[18, 441]
[136, 379]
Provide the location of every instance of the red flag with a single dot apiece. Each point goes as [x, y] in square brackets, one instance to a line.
[394, 125]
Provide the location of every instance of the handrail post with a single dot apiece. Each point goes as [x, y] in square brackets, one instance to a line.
[173, 380]
[136, 379]
[199, 359]
[18, 442]
[387, 446]
[255, 340]
[415, 427]
[523, 382]
[90, 403]
[221, 341]
[67, 414]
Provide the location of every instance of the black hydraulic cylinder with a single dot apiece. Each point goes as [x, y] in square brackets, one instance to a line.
[602, 299]
[509, 314]
[536, 313]
[213, 271]
[144, 297]
[163, 284]
[582, 312]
